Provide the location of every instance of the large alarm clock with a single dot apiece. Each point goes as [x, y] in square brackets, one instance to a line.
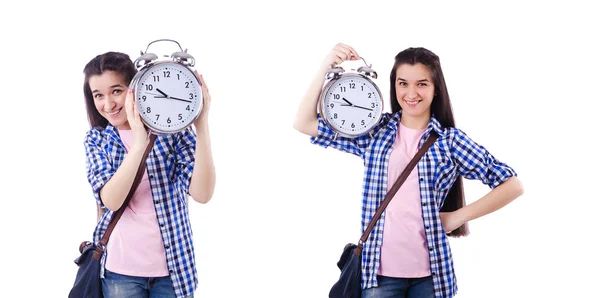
[168, 93]
[351, 103]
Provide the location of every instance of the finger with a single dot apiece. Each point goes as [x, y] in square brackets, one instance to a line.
[136, 112]
[201, 78]
[352, 54]
[129, 104]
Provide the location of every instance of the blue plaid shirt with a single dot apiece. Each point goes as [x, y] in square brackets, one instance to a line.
[453, 154]
[169, 166]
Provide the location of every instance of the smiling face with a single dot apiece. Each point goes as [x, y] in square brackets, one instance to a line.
[414, 90]
[109, 91]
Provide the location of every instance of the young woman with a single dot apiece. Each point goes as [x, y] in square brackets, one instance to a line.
[150, 252]
[408, 253]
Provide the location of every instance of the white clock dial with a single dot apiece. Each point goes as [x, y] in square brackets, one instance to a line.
[352, 105]
[169, 97]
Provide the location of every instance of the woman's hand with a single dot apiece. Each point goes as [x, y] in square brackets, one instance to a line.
[203, 118]
[451, 221]
[339, 54]
[140, 135]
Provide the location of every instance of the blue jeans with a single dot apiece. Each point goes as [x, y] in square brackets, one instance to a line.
[116, 285]
[392, 287]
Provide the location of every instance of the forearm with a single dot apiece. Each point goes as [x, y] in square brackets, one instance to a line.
[115, 191]
[306, 116]
[494, 200]
[202, 185]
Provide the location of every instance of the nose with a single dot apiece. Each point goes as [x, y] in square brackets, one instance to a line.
[411, 92]
[110, 103]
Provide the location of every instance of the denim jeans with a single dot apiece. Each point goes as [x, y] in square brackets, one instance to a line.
[116, 285]
[401, 288]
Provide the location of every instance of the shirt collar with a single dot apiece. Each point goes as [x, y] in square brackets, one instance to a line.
[433, 124]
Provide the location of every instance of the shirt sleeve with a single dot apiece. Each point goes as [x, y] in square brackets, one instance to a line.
[185, 148]
[475, 162]
[326, 137]
[98, 166]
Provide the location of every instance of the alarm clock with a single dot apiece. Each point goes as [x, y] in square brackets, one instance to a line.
[168, 93]
[351, 103]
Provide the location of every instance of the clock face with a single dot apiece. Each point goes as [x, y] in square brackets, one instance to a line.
[352, 105]
[169, 97]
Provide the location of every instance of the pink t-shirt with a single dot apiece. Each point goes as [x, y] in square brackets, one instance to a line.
[404, 247]
[136, 247]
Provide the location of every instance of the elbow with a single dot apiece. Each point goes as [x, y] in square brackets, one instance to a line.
[517, 187]
[201, 198]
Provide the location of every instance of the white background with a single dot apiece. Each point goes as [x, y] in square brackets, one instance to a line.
[523, 79]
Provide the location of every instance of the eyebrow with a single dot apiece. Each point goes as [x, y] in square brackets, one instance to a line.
[419, 81]
[113, 86]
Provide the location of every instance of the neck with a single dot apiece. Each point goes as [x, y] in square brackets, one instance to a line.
[419, 122]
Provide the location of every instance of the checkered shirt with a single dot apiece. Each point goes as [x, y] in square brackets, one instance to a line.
[169, 167]
[453, 154]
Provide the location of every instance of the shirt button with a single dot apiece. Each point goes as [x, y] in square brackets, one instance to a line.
[156, 201]
[162, 225]
[424, 204]
[151, 176]
[430, 249]
[170, 271]
[166, 247]
[426, 227]
[421, 179]
[432, 273]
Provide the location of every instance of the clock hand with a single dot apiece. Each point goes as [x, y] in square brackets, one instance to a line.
[175, 98]
[347, 101]
[160, 91]
[363, 108]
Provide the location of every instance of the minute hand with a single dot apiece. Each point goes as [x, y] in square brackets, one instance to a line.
[362, 108]
[175, 98]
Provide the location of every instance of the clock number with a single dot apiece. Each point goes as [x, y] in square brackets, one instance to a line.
[335, 116]
[191, 95]
[144, 97]
[188, 108]
[370, 95]
[372, 105]
[352, 86]
[178, 77]
[156, 78]
[179, 117]
[148, 110]
[362, 88]
[343, 89]
[187, 84]
[336, 96]
[352, 125]
[362, 122]
[370, 116]
[157, 116]
[167, 74]
[149, 87]
[331, 105]
[343, 121]
[169, 120]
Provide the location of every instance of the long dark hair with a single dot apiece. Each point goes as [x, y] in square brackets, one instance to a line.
[110, 61]
[441, 108]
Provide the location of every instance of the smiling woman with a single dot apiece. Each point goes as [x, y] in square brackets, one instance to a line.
[151, 246]
[407, 253]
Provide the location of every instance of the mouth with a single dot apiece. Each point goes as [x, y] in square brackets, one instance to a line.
[114, 113]
[412, 103]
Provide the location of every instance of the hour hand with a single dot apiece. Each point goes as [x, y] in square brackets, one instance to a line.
[160, 91]
[347, 101]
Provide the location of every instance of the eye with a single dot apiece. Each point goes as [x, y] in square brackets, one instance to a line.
[97, 96]
[402, 83]
[422, 85]
[117, 91]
